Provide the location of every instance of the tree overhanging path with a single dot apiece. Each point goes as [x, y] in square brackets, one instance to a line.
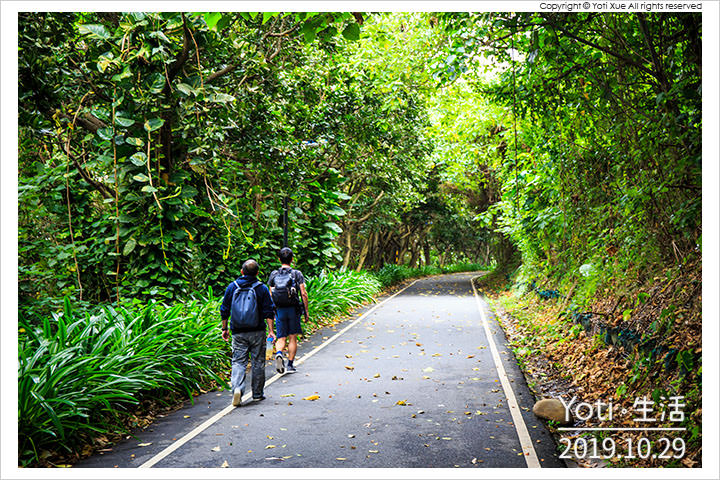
[412, 382]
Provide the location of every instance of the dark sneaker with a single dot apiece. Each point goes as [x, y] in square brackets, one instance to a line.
[279, 363]
[258, 399]
[237, 397]
[291, 368]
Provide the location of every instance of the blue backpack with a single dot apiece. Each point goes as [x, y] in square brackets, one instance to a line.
[244, 313]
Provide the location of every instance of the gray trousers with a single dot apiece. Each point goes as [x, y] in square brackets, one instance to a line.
[252, 344]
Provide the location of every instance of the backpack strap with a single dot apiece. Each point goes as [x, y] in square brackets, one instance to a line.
[236, 284]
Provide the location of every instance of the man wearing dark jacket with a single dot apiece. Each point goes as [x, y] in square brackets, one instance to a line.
[248, 339]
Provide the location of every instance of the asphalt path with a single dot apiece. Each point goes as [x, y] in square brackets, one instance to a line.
[411, 382]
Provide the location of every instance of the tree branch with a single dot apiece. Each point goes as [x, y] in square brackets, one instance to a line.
[625, 59]
[657, 64]
[220, 73]
[184, 54]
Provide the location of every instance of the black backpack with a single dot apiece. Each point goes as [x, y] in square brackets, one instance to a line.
[284, 293]
[244, 313]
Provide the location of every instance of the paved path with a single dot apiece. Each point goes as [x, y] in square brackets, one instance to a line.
[413, 383]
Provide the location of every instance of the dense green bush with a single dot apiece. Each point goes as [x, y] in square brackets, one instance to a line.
[336, 293]
[78, 375]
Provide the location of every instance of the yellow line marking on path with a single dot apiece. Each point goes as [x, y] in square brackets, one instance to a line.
[525, 441]
[203, 426]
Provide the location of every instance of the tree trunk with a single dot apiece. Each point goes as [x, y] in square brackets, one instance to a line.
[348, 246]
[426, 252]
[364, 252]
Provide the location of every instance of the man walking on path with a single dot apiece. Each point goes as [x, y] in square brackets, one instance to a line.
[286, 285]
[246, 303]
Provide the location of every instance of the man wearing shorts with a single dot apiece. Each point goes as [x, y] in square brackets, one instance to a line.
[287, 285]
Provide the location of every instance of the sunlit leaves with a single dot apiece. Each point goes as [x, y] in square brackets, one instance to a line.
[153, 124]
[94, 31]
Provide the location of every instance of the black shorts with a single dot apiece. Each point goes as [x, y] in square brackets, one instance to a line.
[287, 321]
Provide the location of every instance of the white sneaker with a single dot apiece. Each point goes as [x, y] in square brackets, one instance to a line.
[237, 397]
[279, 363]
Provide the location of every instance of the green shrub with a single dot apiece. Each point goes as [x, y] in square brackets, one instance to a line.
[336, 293]
[79, 375]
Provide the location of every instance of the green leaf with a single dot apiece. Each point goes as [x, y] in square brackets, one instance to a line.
[138, 159]
[352, 32]
[153, 124]
[141, 177]
[124, 121]
[105, 133]
[156, 82]
[333, 226]
[129, 247]
[149, 189]
[94, 31]
[267, 16]
[211, 19]
[138, 142]
[335, 210]
[308, 31]
[186, 89]
[221, 98]
[126, 73]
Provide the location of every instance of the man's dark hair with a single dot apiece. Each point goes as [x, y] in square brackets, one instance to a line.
[285, 255]
[250, 268]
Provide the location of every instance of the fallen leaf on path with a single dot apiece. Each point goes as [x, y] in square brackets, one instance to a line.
[312, 397]
[269, 446]
[144, 444]
[225, 464]
[340, 458]
[349, 368]
[216, 449]
[402, 402]
[377, 375]
[426, 377]
[186, 416]
[287, 395]
[437, 355]
[347, 355]
[471, 356]
[428, 369]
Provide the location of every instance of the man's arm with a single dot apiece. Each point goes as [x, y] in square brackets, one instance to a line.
[225, 312]
[271, 327]
[303, 292]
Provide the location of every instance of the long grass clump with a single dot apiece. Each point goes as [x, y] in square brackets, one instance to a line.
[80, 375]
[335, 293]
